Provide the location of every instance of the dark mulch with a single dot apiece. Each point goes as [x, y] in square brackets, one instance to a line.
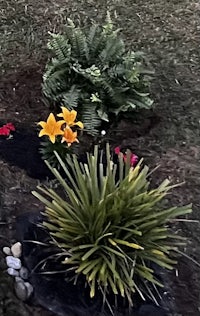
[168, 32]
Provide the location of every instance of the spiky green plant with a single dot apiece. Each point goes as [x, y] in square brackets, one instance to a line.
[113, 226]
[92, 71]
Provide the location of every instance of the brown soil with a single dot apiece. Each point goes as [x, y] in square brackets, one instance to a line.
[168, 33]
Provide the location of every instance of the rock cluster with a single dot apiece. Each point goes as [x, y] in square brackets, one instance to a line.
[23, 288]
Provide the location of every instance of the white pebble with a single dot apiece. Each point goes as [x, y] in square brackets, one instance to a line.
[103, 132]
[13, 262]
[13, 272]
[29, 288]
[7, 251]
[23, 273]
[16, 250]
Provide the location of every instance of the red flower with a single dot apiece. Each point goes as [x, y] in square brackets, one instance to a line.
[133, 159]
[6, 129]
[117, 150]
[10, 126]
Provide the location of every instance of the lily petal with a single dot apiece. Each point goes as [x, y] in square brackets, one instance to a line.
[69, 117]
[42, 133]
[42, 124]
[52, 138]
[51, 119]
[79, 124]
[73, 115]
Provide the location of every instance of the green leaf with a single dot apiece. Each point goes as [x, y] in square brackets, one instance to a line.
[128, 244]
[89, 253]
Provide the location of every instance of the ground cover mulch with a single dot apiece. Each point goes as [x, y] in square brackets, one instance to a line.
[168, 33]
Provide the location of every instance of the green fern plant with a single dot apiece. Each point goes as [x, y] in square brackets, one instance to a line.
[113, 226]
[95, 62]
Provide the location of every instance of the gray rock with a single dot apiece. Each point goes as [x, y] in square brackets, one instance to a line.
[18, 279]
[29, 288]
[23, 273]
[13, 262]
[7, 251]
[16, 250]
[13, 272]
[21, 290]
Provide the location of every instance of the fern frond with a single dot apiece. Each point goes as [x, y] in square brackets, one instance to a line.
[98, 44]
[91, 120]
[54, 67]
[60, 46]
[114, 49]
[92, 34]
[78, 41]
[106, 85]
[70, 98]
[53, 88]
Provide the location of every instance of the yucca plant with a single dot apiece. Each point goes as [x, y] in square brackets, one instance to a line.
[92, 70]
[113, 227]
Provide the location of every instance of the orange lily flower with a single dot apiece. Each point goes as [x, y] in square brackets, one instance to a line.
[69, 117]
[69, 136]
[51, 128]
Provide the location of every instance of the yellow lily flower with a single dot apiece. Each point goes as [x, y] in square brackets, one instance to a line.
[69, 136]
[69, 117]
[51, 128]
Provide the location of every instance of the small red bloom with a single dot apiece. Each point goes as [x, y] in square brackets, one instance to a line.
[6, 129]
[10, 126]
[133, 158]
[117, 150]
